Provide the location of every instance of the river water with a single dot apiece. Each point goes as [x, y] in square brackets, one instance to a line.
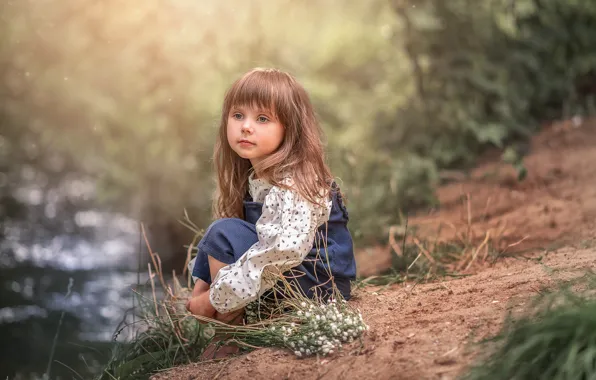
[66, 276]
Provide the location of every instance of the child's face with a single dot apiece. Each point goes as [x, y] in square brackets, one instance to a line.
[253, 134]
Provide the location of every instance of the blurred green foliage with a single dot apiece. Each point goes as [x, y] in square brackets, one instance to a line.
[128, 93]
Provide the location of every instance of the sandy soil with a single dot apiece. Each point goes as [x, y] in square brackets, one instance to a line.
[427, 331]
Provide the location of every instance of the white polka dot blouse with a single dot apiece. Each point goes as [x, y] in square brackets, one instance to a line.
[286, 231]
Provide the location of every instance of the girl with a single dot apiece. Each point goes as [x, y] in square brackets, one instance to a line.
[280, 211]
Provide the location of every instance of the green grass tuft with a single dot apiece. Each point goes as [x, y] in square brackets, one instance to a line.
[167, 337]
[556, 339]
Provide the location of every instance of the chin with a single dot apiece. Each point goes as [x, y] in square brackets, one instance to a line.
[245, 156]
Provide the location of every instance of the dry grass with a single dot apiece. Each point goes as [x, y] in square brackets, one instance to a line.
[420, 257]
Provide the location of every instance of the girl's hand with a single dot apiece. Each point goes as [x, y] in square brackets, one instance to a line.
[200, 305]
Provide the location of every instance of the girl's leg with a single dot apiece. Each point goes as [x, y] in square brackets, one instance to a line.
[199, 301]
[235, 317]
[225, 241]
[199, 288]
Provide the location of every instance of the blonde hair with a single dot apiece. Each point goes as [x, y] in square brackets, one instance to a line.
[300, 154]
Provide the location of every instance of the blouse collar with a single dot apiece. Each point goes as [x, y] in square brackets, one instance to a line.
[257, 185]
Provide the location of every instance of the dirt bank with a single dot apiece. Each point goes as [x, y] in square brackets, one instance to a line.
[421, 332]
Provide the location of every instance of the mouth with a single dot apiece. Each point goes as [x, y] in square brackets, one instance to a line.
[244, 142]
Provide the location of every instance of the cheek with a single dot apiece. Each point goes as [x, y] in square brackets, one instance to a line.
[229, 133]
[281, 132]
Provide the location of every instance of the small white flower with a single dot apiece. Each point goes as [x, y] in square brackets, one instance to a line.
[298, 353]
[300, 312]
[303, 304]
[307, 314]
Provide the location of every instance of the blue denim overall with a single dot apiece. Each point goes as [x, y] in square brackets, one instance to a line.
[227, 239]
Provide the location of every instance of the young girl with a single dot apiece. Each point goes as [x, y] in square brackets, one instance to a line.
[280, 211]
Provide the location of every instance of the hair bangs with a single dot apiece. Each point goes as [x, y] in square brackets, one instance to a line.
[264, 90]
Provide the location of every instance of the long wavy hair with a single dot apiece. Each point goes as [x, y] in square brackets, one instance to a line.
[300, 154]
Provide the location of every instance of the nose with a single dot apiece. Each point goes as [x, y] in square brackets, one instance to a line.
[246, 126]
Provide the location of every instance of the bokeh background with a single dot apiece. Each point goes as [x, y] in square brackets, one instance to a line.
[109, 110]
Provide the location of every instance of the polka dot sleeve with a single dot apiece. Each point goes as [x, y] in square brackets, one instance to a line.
[286, 232]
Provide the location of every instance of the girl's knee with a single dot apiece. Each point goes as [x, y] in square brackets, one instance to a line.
[218, 233]
[222, 226]
[227, 239]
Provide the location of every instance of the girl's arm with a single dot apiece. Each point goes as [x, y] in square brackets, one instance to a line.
[286, 232]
